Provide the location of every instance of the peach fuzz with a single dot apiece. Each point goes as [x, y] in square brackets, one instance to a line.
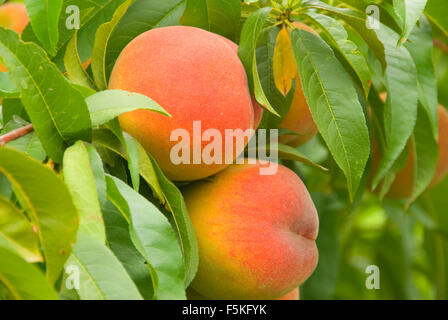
[256, 234]
[299, 119]
[13, 16]
[195, 76]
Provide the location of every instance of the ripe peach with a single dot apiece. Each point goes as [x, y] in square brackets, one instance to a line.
[442, 164]
[195, 76]
[258, 110]
[293, 295]
[256, 233]
[299, 118]
[193, 295]
[13, 16]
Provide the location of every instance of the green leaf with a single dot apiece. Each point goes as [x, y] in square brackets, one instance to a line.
[30, 145]
[334, 105]
[218, 16]
[102, 38]
[153, 237]
[130, 148]
[338, 39]
[400, 111]
[287, 153]
[106, 105]
[49, 203]
[44, 16]
[409, 11]
[57, 111]
[24, 281]
[11, 108]
[98, 174]
[252, 30]
[80, 180]
[102, 276]
[426, 154]
[84, 91]
[357, 4]
[73, 65]
[16, 232]
[167, 192]
[357, 21]
[92, 14]
[8, 88]
[143, 15]
[420, 46]
[119, 241]
[436, 12]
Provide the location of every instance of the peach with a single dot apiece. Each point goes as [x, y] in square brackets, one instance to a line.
[256, 233]
[258, 110]
[402, 187]
[293, 295]
[442, 163]
[195, 76]
[299, 119]
[13, 16]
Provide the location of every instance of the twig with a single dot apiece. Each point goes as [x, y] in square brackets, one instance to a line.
[16, 134]
[441, 45]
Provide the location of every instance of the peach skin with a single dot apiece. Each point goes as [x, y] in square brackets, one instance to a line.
[256, 233]
[195, 76]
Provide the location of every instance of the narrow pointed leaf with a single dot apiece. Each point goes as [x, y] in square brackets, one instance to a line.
[409, 11]
[106, 105]
[79, 178]
[167, 193]
[421, 49]
[24, 281]
[73, 65]
[49, 203]
[154, 238]
[44, 17]
[102, 38]
[338, 39]
[400, 113]
[334, 105]
[252, 29]
[357, 21]
[102, 276]
[426, 154]
[16, 232]
[284, 65]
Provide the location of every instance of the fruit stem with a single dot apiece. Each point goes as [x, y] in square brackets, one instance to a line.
[16, 134]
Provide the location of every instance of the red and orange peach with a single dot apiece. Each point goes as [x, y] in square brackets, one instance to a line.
[256, 233]
[194, 75]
